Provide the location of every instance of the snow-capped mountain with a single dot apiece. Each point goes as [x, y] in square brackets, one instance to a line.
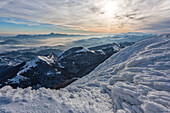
[13, 58]
[134, 80]
[53, 71]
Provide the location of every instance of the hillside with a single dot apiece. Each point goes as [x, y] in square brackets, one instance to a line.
[136, 80]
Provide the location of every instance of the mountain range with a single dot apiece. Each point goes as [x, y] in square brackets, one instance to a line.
[51, 71]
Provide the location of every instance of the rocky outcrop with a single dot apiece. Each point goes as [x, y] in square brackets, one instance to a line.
[108, 49]
[124, 44]
[76, 59]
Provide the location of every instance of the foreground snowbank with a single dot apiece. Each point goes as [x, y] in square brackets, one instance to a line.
[141, 81]
[133, 80]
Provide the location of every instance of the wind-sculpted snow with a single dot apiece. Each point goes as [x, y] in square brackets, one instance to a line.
[141, 83]
[134, 80]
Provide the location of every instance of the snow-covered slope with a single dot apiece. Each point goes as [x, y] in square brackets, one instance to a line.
[136, 79]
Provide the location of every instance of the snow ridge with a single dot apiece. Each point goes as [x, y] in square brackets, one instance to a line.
[84, 50]
[142, 83]
[28, 65]
[46, 59]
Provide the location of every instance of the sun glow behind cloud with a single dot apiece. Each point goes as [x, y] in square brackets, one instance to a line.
[88, 16]
[111, 7]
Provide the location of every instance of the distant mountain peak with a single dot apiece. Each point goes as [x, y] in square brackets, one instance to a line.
[51, 33]
[45, 35]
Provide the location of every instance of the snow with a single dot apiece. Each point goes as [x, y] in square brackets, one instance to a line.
[140, 80]
[84, 50]
[59, 64]
[101, 51]
[116, 48]
[46, 59]
[27, 66]
[134, 80]
[50, 73]
[46, 100]
[17, 79]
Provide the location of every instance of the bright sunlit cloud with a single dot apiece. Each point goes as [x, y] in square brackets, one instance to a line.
[111, 7]
[88, 16]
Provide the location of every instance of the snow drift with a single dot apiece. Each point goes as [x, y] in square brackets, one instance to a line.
[136, 80]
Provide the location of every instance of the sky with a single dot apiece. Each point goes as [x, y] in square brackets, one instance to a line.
[84, 16]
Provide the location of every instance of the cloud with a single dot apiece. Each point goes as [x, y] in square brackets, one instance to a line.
[90, 15]
[4, 2]
[18, 21]
[161, 27]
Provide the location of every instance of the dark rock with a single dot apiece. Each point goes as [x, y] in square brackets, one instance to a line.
[10, 73]
[80, 61]
[124, 44]
[64, 84]
[108, 49]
